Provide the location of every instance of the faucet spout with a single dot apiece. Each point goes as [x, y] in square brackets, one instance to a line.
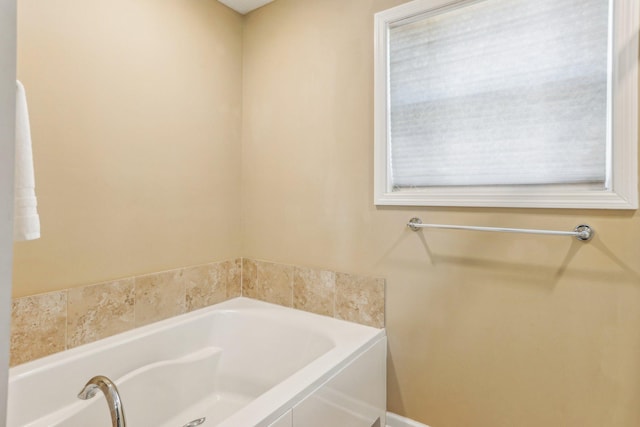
[110, 391]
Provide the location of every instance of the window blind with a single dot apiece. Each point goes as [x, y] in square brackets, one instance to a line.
[500, 92]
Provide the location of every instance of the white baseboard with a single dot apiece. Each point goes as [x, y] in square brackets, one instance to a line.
[394, 420]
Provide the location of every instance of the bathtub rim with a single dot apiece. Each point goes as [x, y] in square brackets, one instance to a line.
[234, 304]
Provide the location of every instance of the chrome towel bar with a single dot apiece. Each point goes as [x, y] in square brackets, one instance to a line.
[582, 232]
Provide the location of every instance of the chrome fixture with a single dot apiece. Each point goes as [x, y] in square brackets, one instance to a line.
[195, 423]
[581, 232]
[106, 386]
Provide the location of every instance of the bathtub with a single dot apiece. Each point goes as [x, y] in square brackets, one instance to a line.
[240, 363]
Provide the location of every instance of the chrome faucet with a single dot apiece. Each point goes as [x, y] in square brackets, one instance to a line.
[110, 391]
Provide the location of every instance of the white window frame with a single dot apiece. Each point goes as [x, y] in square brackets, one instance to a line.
[623, 189]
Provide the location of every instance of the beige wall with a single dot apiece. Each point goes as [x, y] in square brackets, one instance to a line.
[135, 109]
[484, 330]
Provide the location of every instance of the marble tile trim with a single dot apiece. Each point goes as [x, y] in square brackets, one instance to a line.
[48, 323]
[268, 281]
[355, 298]
[38, 326]
[98, 311]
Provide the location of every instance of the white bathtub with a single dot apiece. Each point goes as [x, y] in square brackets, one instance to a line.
[240, 363]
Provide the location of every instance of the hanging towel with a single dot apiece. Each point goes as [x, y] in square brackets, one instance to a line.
[26, 220]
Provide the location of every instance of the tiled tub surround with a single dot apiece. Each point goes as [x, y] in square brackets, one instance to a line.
[344, 296]
[49, 323]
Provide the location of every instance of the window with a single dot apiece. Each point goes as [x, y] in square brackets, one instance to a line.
[507, 103]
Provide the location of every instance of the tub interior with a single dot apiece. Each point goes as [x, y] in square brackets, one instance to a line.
[155, 390]
[172, 372]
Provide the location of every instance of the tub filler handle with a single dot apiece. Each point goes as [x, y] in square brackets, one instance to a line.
[110, 391]
[195, 423]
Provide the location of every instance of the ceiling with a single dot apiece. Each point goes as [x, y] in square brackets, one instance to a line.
[244, 6]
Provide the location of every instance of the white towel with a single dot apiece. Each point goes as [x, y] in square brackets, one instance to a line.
[26, 220]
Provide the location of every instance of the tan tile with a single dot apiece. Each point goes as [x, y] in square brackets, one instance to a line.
[159, 296]
[249, 278]
[99, 311]
[314, 290]
[205, 285]
[234, 278]
[38, 326]
[275, 283]
[360, 299]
